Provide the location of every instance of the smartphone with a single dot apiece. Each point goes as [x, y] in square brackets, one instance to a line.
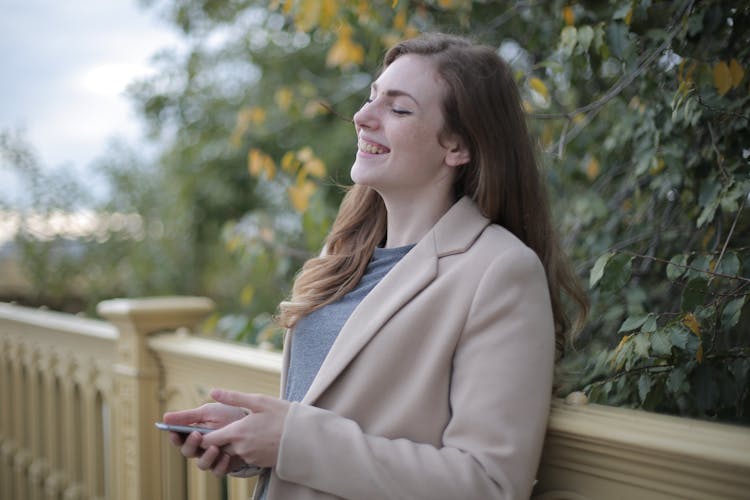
[182, 429]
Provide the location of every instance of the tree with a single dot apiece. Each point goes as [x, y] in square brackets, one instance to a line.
[641, 110]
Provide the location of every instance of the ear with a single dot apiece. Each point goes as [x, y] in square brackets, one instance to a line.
[457, 153]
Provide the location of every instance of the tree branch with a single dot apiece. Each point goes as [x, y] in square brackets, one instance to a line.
[591, 109]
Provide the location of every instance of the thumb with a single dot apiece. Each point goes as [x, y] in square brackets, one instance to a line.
[252, 402]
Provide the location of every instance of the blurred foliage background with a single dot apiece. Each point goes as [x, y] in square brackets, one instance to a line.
[640, 108]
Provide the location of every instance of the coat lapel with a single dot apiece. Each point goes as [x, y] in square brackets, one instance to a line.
[454, 233]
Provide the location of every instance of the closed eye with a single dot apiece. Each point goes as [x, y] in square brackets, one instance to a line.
[401, 111]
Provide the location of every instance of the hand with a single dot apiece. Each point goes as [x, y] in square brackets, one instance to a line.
[214, 416]
[254, 438]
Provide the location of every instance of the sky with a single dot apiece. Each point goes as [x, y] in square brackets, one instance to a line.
[64, 65]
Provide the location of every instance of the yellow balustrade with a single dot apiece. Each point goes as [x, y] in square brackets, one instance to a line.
[79, 397]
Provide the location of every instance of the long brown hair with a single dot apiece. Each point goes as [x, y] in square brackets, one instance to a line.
[482, 105]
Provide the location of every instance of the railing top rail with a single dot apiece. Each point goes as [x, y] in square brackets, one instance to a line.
[650, 433]
[226, 352]
[57, 321]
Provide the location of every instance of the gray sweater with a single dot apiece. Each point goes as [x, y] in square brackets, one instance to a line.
[315, 333]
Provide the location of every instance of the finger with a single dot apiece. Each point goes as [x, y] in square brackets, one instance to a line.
[177, 439]
[252, 402]
[191, 448]
[184, 417]
[222, 466]
[209, 457]
[221, 438]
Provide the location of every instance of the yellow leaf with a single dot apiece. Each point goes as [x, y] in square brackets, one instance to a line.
[257, 115]
[288, 4]
[258, 162]
[308, 15]
[300, 195]
[316, 167]
[539, 87]
[592, 169]
[345, 53]
[313, 108]
[246, 296]
[243, 123]
[623, 341]
[690, 321]
[328, 13]
[269, 167]
[629, 17]
[394, 4]
[722, 77]
[657, 167]
[399, 20]
[305, 154]
[569, 15]
[254, 162]
[737, 73]
[283, 98]
[289, 163]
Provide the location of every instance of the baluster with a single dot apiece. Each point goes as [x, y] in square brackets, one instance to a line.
[20, 454]
[71, 430]
[91, 423]
[7, 446]
[55, 482]
[39, 469]
[104, 399]
[202, 485]
[36, 412]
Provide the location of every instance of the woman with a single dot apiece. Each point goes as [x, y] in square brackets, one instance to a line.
[421, 343]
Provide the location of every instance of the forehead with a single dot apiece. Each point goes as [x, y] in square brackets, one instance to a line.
[413, 74]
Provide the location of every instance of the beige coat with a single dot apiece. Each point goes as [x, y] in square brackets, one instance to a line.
[438, 385]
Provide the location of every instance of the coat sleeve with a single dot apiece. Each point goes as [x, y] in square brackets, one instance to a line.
[501, 387]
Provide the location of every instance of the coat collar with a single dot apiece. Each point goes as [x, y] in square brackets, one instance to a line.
[454, 233]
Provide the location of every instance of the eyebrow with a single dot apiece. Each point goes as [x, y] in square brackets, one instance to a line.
[396, 93]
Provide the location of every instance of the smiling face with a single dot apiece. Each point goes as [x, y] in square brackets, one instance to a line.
[401, 153]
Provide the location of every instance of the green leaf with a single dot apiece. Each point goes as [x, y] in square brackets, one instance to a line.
[650, 325]
[655, 395]
[730, 264]
[676, 380]
[641, 343]
[568, 39]
[661, 343]
[644, 386]
[699, 267]
[675, 268]
[598, 270]
[678, 336]
[732, 311]
[617, 272]
[585, 37]
[622, 11]
[617, 37]
[632, 322]
[694, 294]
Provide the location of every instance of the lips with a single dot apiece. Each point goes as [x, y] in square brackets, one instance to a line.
[371, 147]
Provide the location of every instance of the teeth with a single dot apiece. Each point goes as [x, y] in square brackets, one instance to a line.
[368, 147]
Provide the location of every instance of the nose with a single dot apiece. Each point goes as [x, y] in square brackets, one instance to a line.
[366, 117]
